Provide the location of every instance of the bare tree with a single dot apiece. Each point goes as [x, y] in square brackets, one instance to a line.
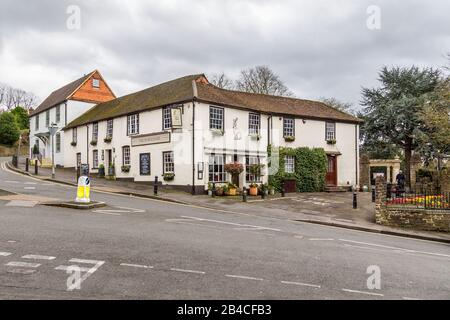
[221, 80]
[261, 79]
[335, 103]
[11, 97]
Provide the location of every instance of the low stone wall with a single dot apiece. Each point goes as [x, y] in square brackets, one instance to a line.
[404, 217]
[420, 219]
[6, 151]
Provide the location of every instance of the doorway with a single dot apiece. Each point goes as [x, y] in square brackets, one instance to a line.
[331, 177]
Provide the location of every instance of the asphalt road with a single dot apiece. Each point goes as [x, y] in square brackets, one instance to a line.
[146, 249]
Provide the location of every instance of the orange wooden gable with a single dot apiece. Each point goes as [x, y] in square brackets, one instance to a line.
[86, 92]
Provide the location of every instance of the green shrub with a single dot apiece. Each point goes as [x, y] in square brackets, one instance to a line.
[9, 130]
[310, 169]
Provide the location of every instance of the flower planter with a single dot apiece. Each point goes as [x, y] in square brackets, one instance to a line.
[94, 143]
[101, 172]
[219, 192]
[107, 139]
[232, 191]
[289, 139]
[73, 144]
[253, 191]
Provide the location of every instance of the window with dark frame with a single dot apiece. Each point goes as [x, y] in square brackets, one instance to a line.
[126, 156]
[133, 124]
[94, 159]
[58, 113]
[96, 83]
[36, 122]
[95, 131]
[254, 123]
[217, 168]
[47, 118]
[288, 127]
[249, 161]
[330, 131]
[168, 162]
[74, 135]
[58, 142]
[216, 120]
[109, 128]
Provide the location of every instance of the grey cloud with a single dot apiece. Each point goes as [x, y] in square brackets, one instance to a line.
[320, 48]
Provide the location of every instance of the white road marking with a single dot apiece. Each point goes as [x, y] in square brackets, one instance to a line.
[119, 210]
[187, 271]
[5, 254]
[88, 271]
[135, 265]
[321, 239]
[8, 181]
[243, 277]
[408, 298]
[366, 248]
[299, 237]
[31, 183]
[30, 188]
[23, 264]
[232, 223]
[65, 268]
[301, 284]
[397, 248]
[364, 292]
[12, 241]
[38, 257]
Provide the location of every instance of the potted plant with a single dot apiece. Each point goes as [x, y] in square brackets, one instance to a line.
[101, 170]
[219, 191]
[289, 138]
[232, 189]
[331, 141]
[111, 170]
[108, 139]
[264, 189]
[253, 189]
[271, 190]
[225, 189]
[219, 132]
[234, 169]
[169, 176]
[94, 143]
[73, 143]
[210, 189]
[126, 169]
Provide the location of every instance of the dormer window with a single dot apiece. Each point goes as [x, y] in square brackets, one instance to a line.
[96, 83]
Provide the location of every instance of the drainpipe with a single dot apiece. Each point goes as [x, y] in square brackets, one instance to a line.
[194, 98]
[87, 145]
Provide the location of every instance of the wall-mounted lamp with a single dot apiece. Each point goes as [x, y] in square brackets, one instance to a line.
[304, 121]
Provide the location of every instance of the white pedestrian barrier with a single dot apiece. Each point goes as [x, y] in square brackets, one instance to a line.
[84, 190]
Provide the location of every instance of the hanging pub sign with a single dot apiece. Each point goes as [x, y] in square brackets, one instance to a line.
[175, 114]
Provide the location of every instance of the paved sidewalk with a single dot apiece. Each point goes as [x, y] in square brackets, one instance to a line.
[332, 209]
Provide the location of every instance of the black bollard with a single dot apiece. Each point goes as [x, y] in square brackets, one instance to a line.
[283, 193]
[263, 193]
[14, 161]
[36, 167]
[373, 194]
[155, 186]
[27, 164]
[213, 190]
[355, 200]
[244, 194]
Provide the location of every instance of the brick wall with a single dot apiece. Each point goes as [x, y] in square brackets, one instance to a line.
[419, 219]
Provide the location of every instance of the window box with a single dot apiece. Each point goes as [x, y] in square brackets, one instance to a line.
[168, 176]
[255, 136]
[289, 139]
[331, 141]
[125, 169]
[73, 143]
[93, 142]
[107, 139]
[218, 132]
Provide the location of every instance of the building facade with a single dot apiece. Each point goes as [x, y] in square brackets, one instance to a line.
[186, 130]
[61, 107]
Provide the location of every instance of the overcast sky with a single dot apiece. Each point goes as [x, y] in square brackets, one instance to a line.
[319, 48]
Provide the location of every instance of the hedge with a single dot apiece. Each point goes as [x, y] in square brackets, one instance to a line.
[310, 168]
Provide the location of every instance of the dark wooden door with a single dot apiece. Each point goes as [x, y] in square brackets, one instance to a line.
[331, 178]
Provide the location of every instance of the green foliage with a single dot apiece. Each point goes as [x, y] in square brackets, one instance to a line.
[310, 169]
[9, 131]
[21, 117]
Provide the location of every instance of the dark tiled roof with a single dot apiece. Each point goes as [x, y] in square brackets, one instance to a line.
[271, 104]
[60, 95]
[178, 90]
[181, 90]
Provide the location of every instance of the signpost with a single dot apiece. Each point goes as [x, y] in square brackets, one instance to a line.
[52, 129]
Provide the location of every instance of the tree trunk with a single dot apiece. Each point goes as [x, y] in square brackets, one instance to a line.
[408, 152]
